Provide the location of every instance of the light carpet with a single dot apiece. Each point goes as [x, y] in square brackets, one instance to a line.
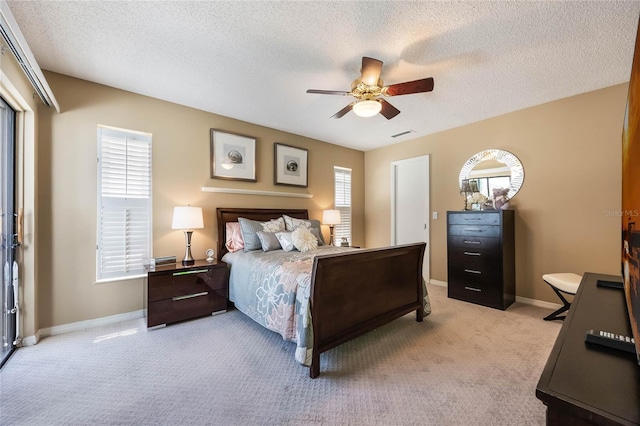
[464, 365]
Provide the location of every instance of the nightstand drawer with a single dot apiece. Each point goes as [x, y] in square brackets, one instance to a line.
[185, 307]
[187, 282]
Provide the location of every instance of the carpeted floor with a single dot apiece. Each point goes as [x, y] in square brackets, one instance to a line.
[464, 365]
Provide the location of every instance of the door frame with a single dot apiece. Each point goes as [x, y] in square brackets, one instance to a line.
[426, 268]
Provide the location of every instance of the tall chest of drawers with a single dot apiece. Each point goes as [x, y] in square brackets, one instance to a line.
[481, 257]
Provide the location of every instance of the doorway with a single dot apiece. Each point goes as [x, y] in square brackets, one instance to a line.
[410, 204]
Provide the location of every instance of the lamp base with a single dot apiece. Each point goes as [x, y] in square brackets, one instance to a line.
[188, 259]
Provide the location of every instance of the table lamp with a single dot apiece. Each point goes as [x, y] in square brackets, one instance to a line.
[331, 217]
[187, 218]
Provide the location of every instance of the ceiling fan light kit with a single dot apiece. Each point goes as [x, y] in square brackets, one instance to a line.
[368, 88]
[367, 108]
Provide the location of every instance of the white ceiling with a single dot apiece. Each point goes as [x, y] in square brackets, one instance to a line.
[253, 61]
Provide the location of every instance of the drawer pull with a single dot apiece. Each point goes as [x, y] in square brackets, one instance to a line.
[470, 253]
[475, 230]
[190, 296]
[473, 271]
[471, 242]
[471, 218]
[473, 289]
[195, 271]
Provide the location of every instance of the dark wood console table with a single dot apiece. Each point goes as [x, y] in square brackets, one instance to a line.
[586, 385]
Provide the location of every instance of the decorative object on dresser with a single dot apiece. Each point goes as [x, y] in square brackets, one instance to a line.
[466, 189]
[187, 218]
[210, 255]
[233, 156]
[177, 293]
[481, 257]
[290, 165]
[331, 218]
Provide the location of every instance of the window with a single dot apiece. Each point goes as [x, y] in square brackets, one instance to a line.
[124, 203]
[343, 204]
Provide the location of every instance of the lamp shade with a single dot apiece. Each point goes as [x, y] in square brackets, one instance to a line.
[187, 218]
[367, 108]
[331, 217]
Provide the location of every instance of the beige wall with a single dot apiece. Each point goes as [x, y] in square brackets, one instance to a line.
[571, 152]
[67, 174]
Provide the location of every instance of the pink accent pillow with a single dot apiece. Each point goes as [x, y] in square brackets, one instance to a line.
[234, 241]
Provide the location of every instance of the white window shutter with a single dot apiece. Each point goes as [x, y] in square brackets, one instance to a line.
[342, 203]
[124, 203]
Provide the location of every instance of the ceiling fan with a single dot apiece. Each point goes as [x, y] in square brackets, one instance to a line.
[368, 88]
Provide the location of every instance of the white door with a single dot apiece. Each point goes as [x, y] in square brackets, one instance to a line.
[410, 204]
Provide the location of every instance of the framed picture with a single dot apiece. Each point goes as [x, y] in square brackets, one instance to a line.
[290, 165]
[233, 156]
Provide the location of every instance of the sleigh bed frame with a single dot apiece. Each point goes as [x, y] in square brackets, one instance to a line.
[372, 286]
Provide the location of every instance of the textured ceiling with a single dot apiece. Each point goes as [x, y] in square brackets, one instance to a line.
[253, 61]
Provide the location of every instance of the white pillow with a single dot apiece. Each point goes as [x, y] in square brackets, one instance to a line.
[303, 239]
[284, 238]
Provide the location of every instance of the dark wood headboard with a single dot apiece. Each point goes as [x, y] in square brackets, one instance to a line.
[225, 215]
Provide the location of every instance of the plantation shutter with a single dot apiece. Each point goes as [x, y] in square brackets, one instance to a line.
[124, 203]
[343, 204]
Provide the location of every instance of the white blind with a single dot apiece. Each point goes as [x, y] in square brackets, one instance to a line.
[342, 203]
[124, 203]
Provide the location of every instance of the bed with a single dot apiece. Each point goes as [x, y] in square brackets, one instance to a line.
[324, 297]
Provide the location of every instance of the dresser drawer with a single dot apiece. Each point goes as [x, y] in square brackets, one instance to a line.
[475, 230]
[473, 242]
[480, 274]
[473, 292]
[492, 218]
[473, 257]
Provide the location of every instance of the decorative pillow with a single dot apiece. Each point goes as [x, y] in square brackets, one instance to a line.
[249, 229]
[274, 225]
[268, 241]
[284, 238]
[303, 239]
[292, 224]
[234, 237]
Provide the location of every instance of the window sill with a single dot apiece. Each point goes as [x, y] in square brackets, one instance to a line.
[111, 280]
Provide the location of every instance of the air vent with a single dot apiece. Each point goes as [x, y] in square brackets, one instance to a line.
[403, 133]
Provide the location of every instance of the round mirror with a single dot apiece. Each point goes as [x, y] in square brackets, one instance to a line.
[494, 168]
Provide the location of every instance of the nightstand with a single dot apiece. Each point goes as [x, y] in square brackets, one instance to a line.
[176, 293]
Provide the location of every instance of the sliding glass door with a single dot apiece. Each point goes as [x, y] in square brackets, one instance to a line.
[8, 318]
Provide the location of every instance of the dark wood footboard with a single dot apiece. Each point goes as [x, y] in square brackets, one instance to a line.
[353, 293]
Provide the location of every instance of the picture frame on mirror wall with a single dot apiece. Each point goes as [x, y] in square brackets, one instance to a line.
[233, 156]
[290, 165]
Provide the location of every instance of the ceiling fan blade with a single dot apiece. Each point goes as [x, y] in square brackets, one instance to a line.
[370, 72]
[343, 111]
[417, 86]
[328, 92]
[388, 110]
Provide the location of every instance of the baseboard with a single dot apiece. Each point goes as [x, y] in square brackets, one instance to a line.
[538, 303]
[81, 325]
[520, 299]
[438, 283]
